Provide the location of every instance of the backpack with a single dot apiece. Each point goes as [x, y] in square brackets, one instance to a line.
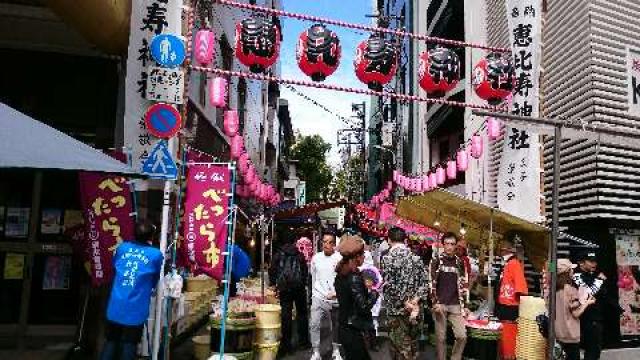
[289, 272]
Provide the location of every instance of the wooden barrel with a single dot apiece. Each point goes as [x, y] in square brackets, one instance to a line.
[267, 315]
[239, 335]
[268, 335]
[267, 351]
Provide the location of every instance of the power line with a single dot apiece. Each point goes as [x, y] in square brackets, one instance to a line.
[304, 96]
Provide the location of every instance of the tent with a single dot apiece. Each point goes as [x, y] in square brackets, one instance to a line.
[452, 211]
[28, 143]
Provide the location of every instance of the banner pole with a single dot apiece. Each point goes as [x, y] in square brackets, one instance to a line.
[231, 221]
[164, 231]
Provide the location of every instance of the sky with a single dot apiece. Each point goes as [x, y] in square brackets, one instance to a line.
[306, 117]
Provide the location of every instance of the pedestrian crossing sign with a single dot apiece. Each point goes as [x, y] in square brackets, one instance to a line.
[160, 164]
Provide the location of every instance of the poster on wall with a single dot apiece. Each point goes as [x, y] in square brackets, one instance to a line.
[628, 260]
[13, 266]
[519, 174]
[17, 224]
[57, 273]
[206, 214]
[51, 221]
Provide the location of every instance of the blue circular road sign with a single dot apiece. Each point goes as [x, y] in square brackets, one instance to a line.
[168, 50]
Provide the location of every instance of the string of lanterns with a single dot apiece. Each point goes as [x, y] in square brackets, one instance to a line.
[448, 170]
[382, 196]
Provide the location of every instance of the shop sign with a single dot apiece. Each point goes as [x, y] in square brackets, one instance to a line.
[206, 217]
[388, 129]
[628, 260]
[519, 173]
[148, 19]
[106, 204]
[633, 81]
[165, 85]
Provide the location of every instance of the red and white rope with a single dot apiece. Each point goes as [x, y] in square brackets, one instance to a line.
[429, 39]
[402, 97]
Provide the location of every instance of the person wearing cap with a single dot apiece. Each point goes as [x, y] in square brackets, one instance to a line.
[591, 282]
[511, 285]
[405, 290]
[355, 299]
[569, 310]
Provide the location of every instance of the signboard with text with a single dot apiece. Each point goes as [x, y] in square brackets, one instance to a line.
[633, 81]
[519, 173]
[206, 216]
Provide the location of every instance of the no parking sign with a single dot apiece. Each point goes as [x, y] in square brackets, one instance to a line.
[163, 120]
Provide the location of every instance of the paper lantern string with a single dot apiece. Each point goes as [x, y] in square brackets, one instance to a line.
[347, 89]
[428, 39]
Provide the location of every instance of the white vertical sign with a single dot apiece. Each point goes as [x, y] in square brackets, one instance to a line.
[148, 19]
[519, 175]
[633, 80]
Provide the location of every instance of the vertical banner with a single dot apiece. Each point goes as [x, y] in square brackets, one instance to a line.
[148, 19]
[519, 174]
[107, 208]
[628, 260]
[206, 214]
[633, 81]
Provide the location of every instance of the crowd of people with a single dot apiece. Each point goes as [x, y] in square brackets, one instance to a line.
[412, 289]
[408, 289]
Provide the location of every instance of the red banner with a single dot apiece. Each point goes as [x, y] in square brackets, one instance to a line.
[106, 207]
[206, 213]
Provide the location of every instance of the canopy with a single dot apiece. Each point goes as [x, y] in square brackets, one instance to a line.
[307, 211]
[28, 143]
[453, 211]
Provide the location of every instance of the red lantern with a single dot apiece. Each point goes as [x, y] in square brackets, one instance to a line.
[376, 61]
[318, 52]
[494, 78]
[439, 71]
[257, 43]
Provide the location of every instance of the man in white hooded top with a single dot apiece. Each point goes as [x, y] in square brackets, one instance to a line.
[323, 300]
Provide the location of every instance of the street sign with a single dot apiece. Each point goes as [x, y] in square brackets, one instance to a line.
[165, 85]
[168, 50]
[160, 164]
[162, 120]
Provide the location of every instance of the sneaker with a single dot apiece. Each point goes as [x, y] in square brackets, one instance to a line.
[316, 356]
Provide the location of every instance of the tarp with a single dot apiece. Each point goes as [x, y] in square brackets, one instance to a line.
[452, 211]
[28, 143]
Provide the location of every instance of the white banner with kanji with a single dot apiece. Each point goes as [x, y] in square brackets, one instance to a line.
[519, 174]
[148, 19]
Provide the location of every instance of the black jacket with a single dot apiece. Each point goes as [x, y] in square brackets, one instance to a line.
[287, 250]
[355, 302]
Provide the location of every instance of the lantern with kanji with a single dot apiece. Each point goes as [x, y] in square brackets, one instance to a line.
[257, 42]
[318, 52]
[439, 71]
[376, 61]
[494, 78]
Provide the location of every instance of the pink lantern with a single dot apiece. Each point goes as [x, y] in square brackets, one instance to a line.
[433, 181]
[237, 146]
[396, 176]
[243, 164]
[418, 184]
[441, 177]
[493, 128]
[462, 160]
[476, 146]
[218, 92]
[389, 185]
[253, 187]
[426, 186]
[204, 46]
[231, 123]
[452, 170]
[251, 175]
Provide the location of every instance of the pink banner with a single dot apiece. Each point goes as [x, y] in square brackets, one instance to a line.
[206, 212]
[106, 207]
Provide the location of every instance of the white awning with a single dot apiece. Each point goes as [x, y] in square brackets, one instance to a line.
[28, 143]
